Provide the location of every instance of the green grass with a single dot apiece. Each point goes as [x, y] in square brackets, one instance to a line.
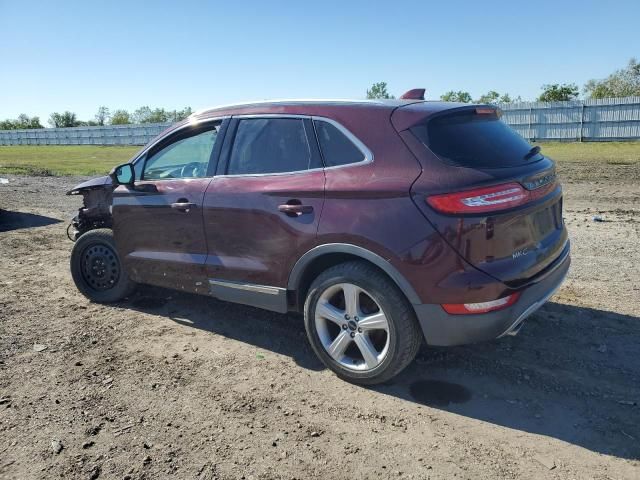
[62, 160]
[96, 160]
[617, 153]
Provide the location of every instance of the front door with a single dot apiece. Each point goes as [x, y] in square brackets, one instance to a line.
[261, 211]
[158, 223]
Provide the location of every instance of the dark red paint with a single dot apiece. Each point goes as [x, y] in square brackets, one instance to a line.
[249, 238]
[239, 230]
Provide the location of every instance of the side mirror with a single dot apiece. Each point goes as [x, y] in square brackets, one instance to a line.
[123, 174]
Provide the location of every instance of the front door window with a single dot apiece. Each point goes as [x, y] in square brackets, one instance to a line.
[185, 158]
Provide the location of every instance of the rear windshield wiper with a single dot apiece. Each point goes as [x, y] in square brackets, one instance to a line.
[534, 151]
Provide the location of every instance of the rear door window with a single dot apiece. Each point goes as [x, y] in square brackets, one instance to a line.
[271, 145]
[470, 139]
[336, 148]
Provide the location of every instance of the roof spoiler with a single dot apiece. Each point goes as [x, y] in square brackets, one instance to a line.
[413, 94]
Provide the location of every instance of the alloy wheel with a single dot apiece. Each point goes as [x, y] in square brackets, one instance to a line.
[352, 327]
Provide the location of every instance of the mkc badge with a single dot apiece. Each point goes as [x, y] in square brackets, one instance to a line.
[520, 253]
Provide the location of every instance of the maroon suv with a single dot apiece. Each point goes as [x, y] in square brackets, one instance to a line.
[382, 221]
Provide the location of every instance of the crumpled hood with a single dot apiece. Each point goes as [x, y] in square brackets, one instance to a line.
[98, 182]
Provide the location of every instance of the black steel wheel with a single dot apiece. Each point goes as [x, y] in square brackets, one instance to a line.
[100, 266]
[96, 268]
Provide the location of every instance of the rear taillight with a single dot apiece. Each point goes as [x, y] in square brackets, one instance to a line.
[482, 307]
[479, 200]
[488, 199]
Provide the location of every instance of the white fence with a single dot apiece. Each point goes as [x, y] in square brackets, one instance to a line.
[584, 120]
[107, 135]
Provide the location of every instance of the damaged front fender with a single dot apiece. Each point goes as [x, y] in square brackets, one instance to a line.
[98, 182]
[95, 212]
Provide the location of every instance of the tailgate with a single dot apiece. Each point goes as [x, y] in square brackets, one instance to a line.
[469, 150]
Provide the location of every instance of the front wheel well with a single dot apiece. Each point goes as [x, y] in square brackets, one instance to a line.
[319, 265]
[81, 225]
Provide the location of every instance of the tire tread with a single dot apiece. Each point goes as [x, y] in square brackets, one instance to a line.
[407, 328]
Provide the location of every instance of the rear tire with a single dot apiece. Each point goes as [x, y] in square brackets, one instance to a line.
[366, 340]
[97, 270]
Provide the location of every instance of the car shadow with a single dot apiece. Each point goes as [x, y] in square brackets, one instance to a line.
[283, 334]
[572, 373]
[17, 220]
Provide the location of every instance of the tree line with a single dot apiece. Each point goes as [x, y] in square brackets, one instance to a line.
[624, 82]
[104, 116]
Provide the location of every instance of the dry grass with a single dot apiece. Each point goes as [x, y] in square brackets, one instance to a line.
[93, 160]
[617, 153]
[62, 160]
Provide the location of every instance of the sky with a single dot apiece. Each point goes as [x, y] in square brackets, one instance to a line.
[79, 55]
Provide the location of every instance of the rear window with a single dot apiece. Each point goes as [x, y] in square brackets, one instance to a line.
[336, 148]
[474, 140]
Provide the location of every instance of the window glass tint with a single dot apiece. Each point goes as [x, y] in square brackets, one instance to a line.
[269, 145]
[336, 148]
[472, 140]
[185, 158]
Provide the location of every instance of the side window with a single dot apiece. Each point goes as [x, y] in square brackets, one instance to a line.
[336, 148]
[270, 145]
[185, 158]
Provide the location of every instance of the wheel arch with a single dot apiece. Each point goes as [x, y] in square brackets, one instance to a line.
[319, 258]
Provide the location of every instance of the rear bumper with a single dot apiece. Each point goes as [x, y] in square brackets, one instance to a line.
[443, 329]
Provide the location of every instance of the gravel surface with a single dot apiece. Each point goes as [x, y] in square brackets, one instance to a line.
[169, 385]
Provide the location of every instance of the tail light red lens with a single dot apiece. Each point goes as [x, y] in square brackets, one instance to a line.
[482, 307]
[480, 200]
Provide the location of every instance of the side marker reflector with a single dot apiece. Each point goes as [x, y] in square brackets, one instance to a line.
[481, 307]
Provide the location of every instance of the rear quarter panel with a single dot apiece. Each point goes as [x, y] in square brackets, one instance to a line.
[370, 205]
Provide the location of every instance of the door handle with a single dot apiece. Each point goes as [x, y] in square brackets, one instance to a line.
[183, 205]
[295, 210]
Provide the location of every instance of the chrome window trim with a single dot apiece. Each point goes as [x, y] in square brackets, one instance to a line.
[297, 172]
[368, 154]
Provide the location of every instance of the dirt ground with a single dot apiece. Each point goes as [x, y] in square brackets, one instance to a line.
[169, 385]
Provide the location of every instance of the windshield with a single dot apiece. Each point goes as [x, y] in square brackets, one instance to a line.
[470, 139]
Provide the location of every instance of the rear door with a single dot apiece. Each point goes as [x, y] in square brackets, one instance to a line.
[261, 211]
[158, 223]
